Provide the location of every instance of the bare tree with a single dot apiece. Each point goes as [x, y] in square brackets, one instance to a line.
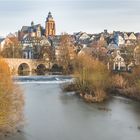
[66, 53]
[99, 51]
[46, 53]
[12, 49]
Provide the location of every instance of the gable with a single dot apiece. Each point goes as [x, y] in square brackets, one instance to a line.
[126, 36]
[121, 40]
[84, 36]
[45, 42]
[92, 37]
[132, 36]
[118, 58]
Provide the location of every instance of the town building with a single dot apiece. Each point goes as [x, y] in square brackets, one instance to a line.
[119, 63]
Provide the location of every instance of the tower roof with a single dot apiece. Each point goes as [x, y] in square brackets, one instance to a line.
[32, 23]
[49, 17]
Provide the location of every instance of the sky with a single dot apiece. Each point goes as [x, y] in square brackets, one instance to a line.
[91, 16]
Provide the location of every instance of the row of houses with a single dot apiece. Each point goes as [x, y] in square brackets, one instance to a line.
[118, 38]
[116, 45]
[111, 43]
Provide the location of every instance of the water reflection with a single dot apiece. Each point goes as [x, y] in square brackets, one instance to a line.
[24, 73]
[38, 72]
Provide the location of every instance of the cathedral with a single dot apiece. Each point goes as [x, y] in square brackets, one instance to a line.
[37, 30]
[34, 36]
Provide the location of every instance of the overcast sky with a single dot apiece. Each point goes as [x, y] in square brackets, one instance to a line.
[91, 16]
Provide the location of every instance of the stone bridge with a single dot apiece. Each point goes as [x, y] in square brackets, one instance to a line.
[27, 64]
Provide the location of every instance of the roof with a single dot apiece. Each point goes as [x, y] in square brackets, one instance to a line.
[49, 17]
[86, 51]
[56, 41]
[30, 28]
[44, 41]
[24, 28]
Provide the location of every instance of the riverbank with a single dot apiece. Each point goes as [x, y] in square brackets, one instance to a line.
[130, 93]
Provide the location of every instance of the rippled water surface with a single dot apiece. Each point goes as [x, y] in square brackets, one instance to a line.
[54, 115]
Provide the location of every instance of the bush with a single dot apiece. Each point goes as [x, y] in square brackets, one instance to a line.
[11, 102]
[132, 77]
[118, 81]
[92, 78]
[127, 84]
[69, 87]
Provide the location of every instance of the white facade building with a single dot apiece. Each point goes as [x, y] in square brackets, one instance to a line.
[119, 63]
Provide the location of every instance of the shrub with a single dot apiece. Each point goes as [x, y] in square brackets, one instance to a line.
[127, 84]
[132, 77]
[11, 102]
[69, 87]
[92, 78]
[118, 81]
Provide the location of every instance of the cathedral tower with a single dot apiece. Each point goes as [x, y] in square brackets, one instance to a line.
[50, 25]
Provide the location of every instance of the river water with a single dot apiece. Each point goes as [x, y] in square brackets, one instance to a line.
[54, 115]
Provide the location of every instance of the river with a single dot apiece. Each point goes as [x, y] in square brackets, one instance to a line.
[54, 115]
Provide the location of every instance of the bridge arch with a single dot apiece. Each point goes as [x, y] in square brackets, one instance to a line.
[56, 68]
[41, 69]
[24, 69]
